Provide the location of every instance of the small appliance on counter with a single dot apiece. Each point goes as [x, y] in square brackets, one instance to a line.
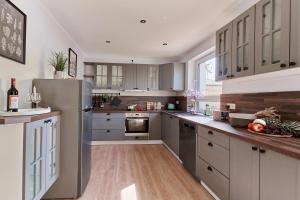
[220, 115]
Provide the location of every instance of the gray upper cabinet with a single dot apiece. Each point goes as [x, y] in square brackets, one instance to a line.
[110, 76]
[142, 77]
[172, 76]
[243, 41]
[223, 52]
[130, 77]
[272, 35]
[153, 77]
[244, 170]
[295, 34]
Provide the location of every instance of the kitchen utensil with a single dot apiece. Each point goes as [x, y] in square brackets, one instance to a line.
[241, 119]
[116, 102]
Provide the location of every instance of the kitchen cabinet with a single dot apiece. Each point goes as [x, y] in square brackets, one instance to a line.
[142, 77]
[261, 174]
[172, 76]
[224, 52]
[109, 76]
[295, 34]
[53, 149]
[153, 77]
[170, 133]
[117, 77]
[243, 44]
[244, 170]
[41, 156]
[108, 126]
[155, 126]
[130, 77]
[272, 35]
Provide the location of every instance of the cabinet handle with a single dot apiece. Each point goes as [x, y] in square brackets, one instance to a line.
[210, 132]
[107, 131]
[192, 127]
[245, 68]
[48, 121]
[209, 168]
[262, 151]
[107, 113]
[254, 148]
[283, 65]
[293, 63]
[228, 76]
[107, 119]
[232, 76]
[186, 125]
[210, 144]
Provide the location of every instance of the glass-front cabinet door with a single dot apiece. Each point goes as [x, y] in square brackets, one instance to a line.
[117, 77]
[243, 42]
[272, 35]
[53, 149]
[35, 160]
[223, 52]
[101, 76]
[153, 77]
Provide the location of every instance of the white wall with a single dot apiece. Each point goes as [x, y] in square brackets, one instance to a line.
[44, 35]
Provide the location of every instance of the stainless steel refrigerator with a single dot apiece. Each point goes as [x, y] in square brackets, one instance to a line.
[73, 98]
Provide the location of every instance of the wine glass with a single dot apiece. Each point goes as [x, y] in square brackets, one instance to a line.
[36, 98]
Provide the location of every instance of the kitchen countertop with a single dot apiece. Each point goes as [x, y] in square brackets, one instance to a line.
[287, 146]
[127, 111]
[27, 119]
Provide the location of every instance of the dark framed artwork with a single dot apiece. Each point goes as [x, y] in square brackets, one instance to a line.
[12, 32]
[72, 71]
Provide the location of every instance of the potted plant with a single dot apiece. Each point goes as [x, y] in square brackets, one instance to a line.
[58, 62]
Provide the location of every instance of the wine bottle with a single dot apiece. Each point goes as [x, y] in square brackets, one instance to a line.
[13, 97]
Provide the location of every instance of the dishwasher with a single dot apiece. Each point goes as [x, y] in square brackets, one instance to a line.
[187, 146]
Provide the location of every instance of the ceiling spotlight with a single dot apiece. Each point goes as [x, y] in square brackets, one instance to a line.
[165, 43]
[143, 21]
[107, 41]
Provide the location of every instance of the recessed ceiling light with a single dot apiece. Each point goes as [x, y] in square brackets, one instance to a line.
[143, 21]
[107, 41]
[165, 43]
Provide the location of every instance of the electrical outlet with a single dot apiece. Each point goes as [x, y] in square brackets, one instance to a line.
[231, 106]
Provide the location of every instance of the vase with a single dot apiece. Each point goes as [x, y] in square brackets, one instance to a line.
[59, 75]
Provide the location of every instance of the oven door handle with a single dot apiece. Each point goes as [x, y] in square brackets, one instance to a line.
[132, 119]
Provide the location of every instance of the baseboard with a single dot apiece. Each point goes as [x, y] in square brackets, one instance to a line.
[172, 152]
[126, 142]
[210, 191]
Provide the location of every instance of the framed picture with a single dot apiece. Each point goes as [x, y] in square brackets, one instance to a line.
[72, 63]
[12, 32]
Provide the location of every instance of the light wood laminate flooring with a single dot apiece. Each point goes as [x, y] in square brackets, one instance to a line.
[139, 172]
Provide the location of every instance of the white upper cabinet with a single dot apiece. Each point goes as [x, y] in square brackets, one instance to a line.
[272, 35]
[243, 41]
[223, 52]
[153, 77]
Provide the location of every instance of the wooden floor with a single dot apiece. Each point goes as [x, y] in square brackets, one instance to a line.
[139, 172]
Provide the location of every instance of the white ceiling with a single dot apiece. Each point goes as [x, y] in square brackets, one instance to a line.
[181, 23]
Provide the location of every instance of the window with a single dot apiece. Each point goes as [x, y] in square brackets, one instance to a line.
[206, 83]
[101, 79]
[117, 76]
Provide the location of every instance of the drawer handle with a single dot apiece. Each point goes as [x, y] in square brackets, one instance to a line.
[210, 144]
[254, 148]
[209, 168]
[293, 63]
[210, 132]
[108, 120]
[48, 121]
[283, 65]
[107, 113]
[262, 151]
[186, 125]
[107, 131]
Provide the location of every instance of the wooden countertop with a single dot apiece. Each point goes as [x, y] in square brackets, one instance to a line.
[127, 111]
[27, 119]
[287, 146]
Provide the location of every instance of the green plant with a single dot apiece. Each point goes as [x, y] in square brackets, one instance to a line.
[58, 61]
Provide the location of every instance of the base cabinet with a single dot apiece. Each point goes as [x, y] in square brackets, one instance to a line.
[41, 156]
[170, 132]
[155, 126]
[261, 174]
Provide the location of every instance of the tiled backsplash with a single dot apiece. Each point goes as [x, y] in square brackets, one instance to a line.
[142, 100]
[288, 103]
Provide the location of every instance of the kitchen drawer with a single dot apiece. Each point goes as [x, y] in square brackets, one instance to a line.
[109, 115]
[218, 183]
[106, 135]
[214, 154]
[214, 136]
[108, 123]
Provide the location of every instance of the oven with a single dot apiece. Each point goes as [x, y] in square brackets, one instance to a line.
[137, 124]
